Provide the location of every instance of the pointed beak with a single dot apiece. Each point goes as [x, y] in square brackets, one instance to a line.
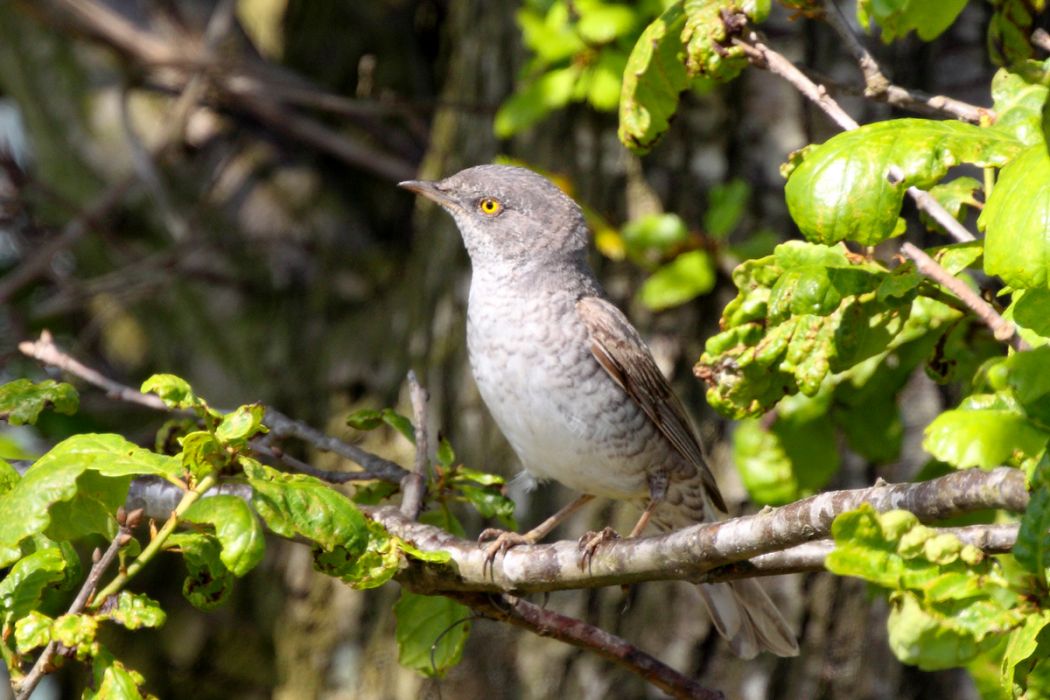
[429, 190]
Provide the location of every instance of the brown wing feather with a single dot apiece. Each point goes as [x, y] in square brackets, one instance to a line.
[620, 350]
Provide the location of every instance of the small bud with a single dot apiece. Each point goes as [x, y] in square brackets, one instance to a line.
[135, 518]
[122, 516]
[123, 539]
[96, 556]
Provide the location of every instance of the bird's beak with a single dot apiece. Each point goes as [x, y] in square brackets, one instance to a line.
[429, 190]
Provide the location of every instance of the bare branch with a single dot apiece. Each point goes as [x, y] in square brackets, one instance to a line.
[414, 485]
[878, 87]
[548, 623]
[1003, 330]
[375, 467]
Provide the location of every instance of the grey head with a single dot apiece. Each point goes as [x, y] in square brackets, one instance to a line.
[509, 215]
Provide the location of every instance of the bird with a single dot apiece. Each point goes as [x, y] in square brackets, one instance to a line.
[573, 387]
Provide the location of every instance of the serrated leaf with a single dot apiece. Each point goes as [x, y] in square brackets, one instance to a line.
[1016, 219]
[56, 478]
[21, 401]
[686, 277]
[982, 437]
[208, 582]
[133, 611]
[431, 632]
[296, 504]
[237, 529]
[709, 51]
[843, 189]
[897, 18]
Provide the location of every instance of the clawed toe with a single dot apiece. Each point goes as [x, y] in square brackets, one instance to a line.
[501, 542]
[591, 541]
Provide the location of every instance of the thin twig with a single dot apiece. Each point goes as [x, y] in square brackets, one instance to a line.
[765, 57]
[43, 666]
[877, 86]
[414, 485]
[548, 623]
[1003, 330]
[46, 351]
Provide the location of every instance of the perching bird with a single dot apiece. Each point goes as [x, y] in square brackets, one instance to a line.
[572, 385]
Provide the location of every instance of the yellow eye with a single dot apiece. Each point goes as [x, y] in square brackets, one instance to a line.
[490, 206]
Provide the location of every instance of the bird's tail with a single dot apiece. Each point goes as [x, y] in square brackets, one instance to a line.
[747, 618]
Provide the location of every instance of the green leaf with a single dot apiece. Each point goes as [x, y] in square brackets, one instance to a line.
[9, 476]
[600, 24]
[842, 190]
[726, 205]
[1018, 105]
[399, 423]
[1016, 219]
[296, 504]
[370, 419]
[133, 611]
[21, 401]
[114, 681]
[652, 81]
[446, 456]
[982, 433]
[953, 196]
[370, 568]
[686, 277]
[174, 391]
[948, 604]
[657, 233]
[76, 631]
[791, 459]
[431, 632]
[536, 100]
[897, 18]
[23, 587]
[550, 35]
[479, 477]
[238, 530]
[240, 425]
[57, 478]
[202, 454]
[370, 493]
[1031, 310]
[1032, 549]
[1028, 379]
[709, 50]
[32, 631]
[208, 582]
[1028, 645]
[801, 313]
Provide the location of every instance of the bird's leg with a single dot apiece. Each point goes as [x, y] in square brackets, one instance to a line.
[590, 542]
[504, 540]
[657, 494]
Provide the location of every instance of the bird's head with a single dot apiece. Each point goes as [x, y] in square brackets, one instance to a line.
[509, 214]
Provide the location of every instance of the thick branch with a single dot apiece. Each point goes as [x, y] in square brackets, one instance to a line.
[1004, 330]
[548, 623]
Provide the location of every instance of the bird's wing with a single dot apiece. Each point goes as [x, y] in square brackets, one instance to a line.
[620, 350]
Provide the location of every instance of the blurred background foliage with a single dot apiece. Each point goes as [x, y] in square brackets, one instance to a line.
[208, 189]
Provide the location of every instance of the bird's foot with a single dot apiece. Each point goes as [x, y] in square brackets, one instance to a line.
[502, 540]
[591, 541]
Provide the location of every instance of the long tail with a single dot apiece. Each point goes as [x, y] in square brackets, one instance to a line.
[747, 618]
